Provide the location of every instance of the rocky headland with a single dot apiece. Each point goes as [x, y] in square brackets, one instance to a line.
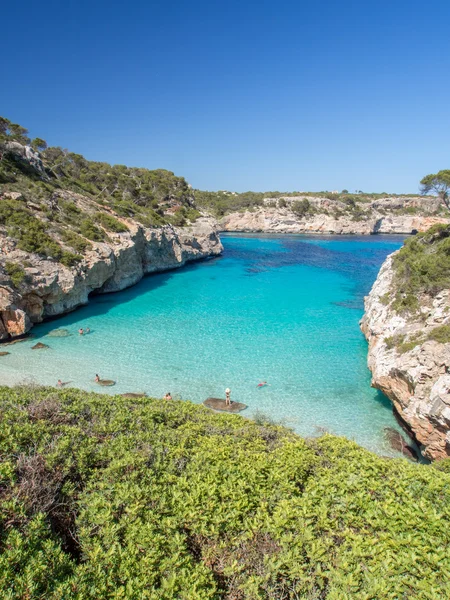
[407, 325]
[50, 288]
[57, 245]
[306, 214]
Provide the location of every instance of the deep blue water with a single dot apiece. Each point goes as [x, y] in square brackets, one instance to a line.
[284, 309]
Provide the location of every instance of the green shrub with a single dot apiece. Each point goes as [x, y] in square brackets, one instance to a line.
[440, 334]
[393, 341]
[106, 497]
[68, 259]
[78, 243]
[301, 207]
[16, 273]
[110, 223]
[422, 266]
[442, 465]
[89, 230]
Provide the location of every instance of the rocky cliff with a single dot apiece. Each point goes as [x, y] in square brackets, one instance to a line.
[70, 227]
[389, 215]
[49, 288]
[409, 356]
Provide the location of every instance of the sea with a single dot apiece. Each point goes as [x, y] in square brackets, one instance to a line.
[280, 309]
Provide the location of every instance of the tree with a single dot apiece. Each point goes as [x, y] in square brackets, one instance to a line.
[438, 183]
[39, 144]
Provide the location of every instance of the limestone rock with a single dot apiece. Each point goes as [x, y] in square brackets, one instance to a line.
[417, 381]
[276, 220]
[52, 289]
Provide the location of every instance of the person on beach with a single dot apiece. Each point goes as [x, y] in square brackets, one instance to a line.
[227, 397]
[168, 396]
[81, 331]
[97, 378]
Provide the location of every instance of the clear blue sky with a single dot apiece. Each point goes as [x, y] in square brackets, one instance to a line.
[238, 95]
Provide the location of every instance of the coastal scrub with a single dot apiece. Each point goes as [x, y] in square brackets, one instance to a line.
[107, 497]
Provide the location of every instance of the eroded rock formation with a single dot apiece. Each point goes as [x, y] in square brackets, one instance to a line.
[276, 220]
[50, 289]
[416, 379]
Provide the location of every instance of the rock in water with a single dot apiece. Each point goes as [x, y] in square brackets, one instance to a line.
[4, 353]
[106, 382]
[397, 442]
[219, 404]
[39, 346]
[134, 395]
[59, 333]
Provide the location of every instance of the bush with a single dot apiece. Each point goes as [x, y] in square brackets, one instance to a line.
[422, 266]
[89, 230]
[16, 273]
[77, 242]
[301, 207]
[440, 334]
[110, 223]
[108, 497]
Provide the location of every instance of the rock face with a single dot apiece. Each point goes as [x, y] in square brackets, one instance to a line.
[50, 289]
[276, 220]
[416, 380]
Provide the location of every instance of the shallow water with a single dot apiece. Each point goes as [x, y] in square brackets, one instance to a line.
[283, 309]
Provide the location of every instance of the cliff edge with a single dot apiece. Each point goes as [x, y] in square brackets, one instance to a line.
[70, 227]
[407, 325]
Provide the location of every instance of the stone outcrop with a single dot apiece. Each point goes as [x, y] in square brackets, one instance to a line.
[417, 380]
[283, 220]
[50, 289]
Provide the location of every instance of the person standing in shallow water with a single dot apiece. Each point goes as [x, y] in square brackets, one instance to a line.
[227, 397]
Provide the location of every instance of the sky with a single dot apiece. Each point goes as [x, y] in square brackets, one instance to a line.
[238, 95]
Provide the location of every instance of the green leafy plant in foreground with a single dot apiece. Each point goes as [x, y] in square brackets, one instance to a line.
[106, 497]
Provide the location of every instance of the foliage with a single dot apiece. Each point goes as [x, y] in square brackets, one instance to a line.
[91, 231]
[13, 131]
[77, 242]
[421, 266]
[110, 223]
[440, 334]
[39, 144]
[301, 207]
[106, 497]
[141, 194]
[16, 273]
[438, 183]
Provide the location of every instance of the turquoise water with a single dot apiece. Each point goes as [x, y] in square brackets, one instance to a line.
[284, 309]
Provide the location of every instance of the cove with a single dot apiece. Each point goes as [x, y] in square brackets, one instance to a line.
[284, 309]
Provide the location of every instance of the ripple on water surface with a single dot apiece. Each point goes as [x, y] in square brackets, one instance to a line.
[281, 309]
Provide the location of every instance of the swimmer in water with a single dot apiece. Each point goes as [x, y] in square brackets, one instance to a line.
[262, 384]
[81, 331]
[97, 378]
[60, 383]
[168, 396]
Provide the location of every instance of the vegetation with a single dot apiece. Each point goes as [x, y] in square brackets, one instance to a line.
[438, 183]
[107, 497]
[110, 223]
[422, 266]
[16, 273]
[44, 218]
[440, 334]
